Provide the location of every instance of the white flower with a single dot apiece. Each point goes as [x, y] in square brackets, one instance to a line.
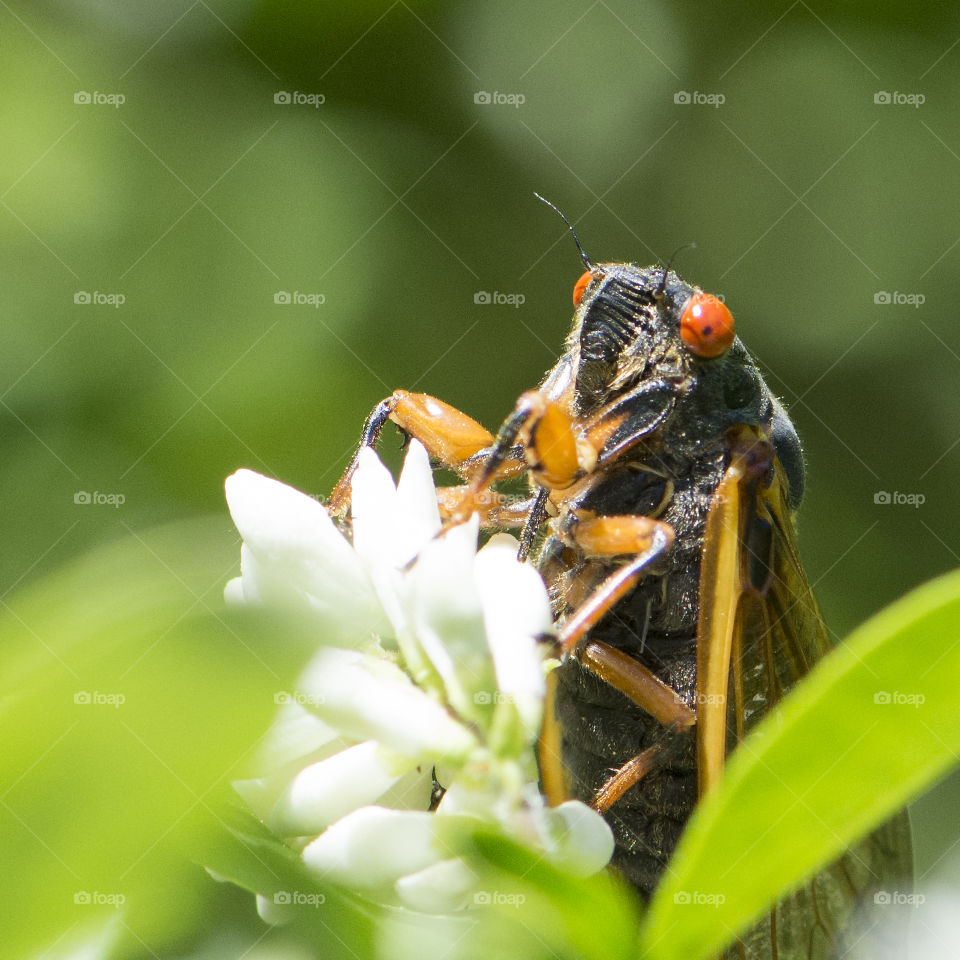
[327, 790]
[369, 696]
[428, 657]
[294, 556]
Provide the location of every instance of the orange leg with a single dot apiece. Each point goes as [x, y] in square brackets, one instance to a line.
[537, 437]
[495, 509]
[540, 437]
[638, 683]
[554, 454]
[647, 539]
[559, 450]
[450, 437]
[646, 690]
[632, 772]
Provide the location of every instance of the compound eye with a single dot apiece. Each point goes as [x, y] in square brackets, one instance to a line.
[581, 286]
[706, 326]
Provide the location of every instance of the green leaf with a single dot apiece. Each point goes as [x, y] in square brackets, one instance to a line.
[875, 723]
[594, 917]
[131, 696]
[249, 856]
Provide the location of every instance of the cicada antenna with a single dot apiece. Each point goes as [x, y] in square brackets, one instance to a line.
[576, 239]
[662, 285]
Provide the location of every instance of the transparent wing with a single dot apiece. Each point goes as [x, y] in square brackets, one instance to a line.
[826, 917]
[780, 631]
[778, 635]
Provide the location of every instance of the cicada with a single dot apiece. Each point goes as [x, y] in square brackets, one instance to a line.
[662, 478]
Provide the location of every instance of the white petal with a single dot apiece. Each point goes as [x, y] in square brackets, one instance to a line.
[476, 799]
[392, 523]
[233, 592]
[326, 791]
[373, 847]
[294, 734]
[273, 913]
[413, 791]
[418, 515]
[372, 507]
[370, 698]
[516, 610]
[501, 790]
[443, 887]
[448, 620]
[391, 590]
[294, 555]
[376, 539]
[296, 738]
[584, 841]
[273, 517]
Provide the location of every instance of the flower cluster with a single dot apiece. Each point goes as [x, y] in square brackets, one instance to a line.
[428, 659]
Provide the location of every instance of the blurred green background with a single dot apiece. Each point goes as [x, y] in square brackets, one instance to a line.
[375, 164]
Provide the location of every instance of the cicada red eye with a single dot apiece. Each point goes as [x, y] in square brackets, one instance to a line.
[706, 326]
[582, 285]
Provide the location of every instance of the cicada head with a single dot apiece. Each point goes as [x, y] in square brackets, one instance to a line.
[635, 324]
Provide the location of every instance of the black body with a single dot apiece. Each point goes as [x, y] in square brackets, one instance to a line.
[626, 341]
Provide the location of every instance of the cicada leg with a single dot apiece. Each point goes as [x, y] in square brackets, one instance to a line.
[499, 510]
[604, 537]
[647, 540]
[450, 437]
[551, 449]
[536, 516]
[631, 773]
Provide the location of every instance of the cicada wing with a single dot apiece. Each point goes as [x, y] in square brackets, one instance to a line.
[826, 917]
[777, 634]
[780, 632]
[759, 628]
